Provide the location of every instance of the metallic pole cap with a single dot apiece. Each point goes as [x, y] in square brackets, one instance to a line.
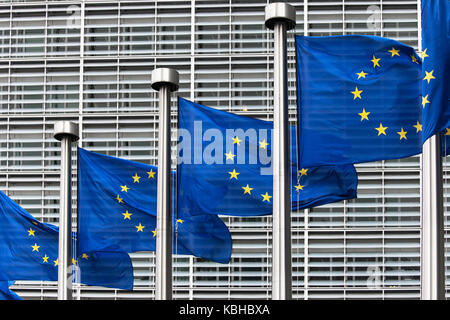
[65, 128]
[165, 77]
[280, 12]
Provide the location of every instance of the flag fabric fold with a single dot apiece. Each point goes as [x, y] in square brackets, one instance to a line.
[106, 269]
[29, 251]
[359, 100]
[6, 293]
[117, 212]
[224, 166]
[435, 66]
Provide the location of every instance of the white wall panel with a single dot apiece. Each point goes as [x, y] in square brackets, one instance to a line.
[97, 72]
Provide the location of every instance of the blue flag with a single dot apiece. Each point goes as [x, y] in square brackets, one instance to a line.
[435, 66]
[106, 269]
[358, 100]
[224, 166]
[117, 212]
[6, 293]
[29, 251]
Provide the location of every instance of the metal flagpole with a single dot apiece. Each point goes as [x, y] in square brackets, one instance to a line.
[432, 252]
[66, 132]
[164, 80]
[280, 17]
[432, 235]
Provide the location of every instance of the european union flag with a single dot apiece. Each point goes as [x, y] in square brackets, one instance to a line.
[224, 166]
[117, 212]
[358, 100]
[29, 251]
[28, 248]
[106, 269]
[6, 293]
[435, 66]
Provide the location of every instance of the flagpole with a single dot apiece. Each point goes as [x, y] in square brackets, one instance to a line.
[280, 17]
[164, 80]
[432, 251]
[432, 235]
[66, 132]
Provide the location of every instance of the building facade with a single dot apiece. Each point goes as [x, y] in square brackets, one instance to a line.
[90, 62]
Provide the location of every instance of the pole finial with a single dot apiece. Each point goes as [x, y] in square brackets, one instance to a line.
[65, 128]
[280, 12]
[165, 76]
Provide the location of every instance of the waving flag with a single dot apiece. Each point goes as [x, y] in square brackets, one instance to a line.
[29, 251]
[6, 293]
[435, 66]
[224, 166]
[359, 100]
[117, 212]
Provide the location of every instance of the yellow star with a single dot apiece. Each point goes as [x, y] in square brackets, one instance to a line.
[394, 52]
[424, 54]
[364, 115]
[356, 93]
[402, 134]
[247, 189]
[45, 259]
[35, 247]
[119, 199]
[375, 61]
[266, 197]
[233, 174]
[362, 74]
[418, 127]
[429, 76]
[180, 221]
[84, 256]
[263, 144]
[303, 172]
[414, 59]
[230, 156]
[151, 174]
[237, 141]
[298, 187]
[447, 131]
[381, 129]
[74, 261]
[136, 178]
[127, 215]
[31, 232]
[140, 228]
[425, 101]
[124, 188]
[56, 262]
[154, 233]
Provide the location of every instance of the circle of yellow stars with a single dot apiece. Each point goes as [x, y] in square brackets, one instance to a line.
[429, 76]
[247, 189]
[234, 174]
[357, 93]
[35, 248]
[127, 215]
